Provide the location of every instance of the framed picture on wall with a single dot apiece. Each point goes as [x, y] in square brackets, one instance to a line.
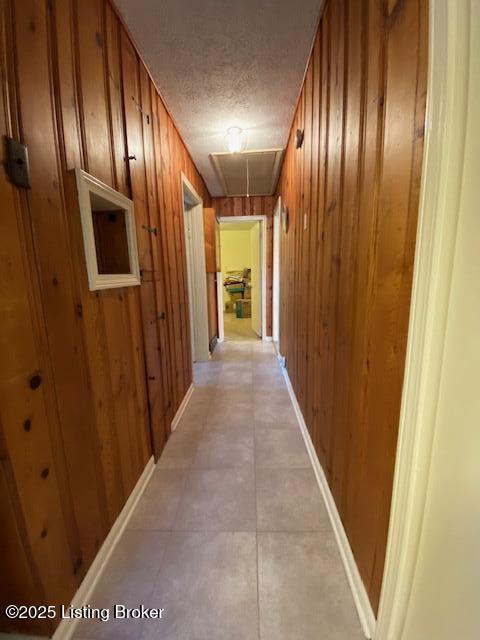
[109, 236]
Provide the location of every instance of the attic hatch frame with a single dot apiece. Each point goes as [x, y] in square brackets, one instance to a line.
[216, 159]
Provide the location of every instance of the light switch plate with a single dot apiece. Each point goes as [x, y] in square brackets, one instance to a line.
[17, 163]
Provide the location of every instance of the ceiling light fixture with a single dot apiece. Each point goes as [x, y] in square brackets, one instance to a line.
[236, 140]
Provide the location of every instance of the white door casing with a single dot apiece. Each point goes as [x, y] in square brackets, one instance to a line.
[276, 273]
[255, 249]
[262, 219]
[196, 271]
[436, 253]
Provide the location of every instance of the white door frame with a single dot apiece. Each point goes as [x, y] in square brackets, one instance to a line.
[196, 271]
[220, 303]
[276, 274]
[263, 262]
[447, 105]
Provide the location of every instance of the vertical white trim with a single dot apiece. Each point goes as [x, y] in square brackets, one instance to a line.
[276, 273]
[221, 325]
[263, 275]
[221, 330]
[263, 260]
[360, 596]
[188, 260]
[449, 25]
[197, 271]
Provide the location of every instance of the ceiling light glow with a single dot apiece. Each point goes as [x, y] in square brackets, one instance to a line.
[235, 139]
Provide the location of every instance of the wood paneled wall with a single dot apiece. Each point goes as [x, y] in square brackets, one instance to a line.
[352, 192]
[211, 232]
[89, 381]
[253, 206]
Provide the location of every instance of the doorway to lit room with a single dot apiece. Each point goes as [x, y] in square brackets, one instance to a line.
[242, 282]
[195, 261]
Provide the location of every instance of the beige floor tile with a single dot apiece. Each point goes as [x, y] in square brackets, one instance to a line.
[224, 450]
[303, 590]
[157, 507]
[180, 450]
[233, 379]
[290, 500]
[267, 366]
[275, 408]
[279, 395]
[271, 415]
[200, 406]
[282, 448]
[232, 366]
[240, 414]
[217, 500]
[274, 376]
[208, 587]
[236, 396]
[238, 328]
[236, 419]
[230, 406]
[129, 579]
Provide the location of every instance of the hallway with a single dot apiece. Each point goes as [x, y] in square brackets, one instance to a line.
[286, 195]
[231, 537]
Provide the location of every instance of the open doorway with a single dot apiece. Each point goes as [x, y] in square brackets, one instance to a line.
[196, 271]
[242, 280]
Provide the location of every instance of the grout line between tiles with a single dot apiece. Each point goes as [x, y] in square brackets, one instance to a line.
[171, 531]
[261, 531]
[188, 469]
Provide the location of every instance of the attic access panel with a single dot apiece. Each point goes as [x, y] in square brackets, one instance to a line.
[263, 170]
[109, 236]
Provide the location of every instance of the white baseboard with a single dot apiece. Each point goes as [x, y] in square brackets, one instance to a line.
[182, 408]
[362, 602]
[66, 627]
[267, 339]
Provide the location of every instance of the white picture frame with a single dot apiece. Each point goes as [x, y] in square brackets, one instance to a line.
[87, 185]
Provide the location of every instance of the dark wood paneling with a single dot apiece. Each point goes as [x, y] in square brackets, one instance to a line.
[253, 206]
[352, 192]
[89, 381]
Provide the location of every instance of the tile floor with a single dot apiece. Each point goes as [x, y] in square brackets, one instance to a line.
[238, 328]
[231, 536]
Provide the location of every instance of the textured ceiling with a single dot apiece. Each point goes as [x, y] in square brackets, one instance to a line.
[224, 63]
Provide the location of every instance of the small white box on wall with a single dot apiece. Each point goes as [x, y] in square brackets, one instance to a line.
[109, 235]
